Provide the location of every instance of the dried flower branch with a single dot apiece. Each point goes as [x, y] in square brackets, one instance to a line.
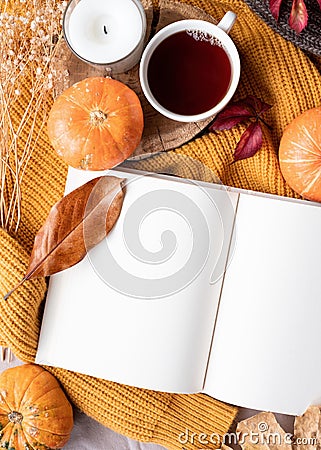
[28, 32]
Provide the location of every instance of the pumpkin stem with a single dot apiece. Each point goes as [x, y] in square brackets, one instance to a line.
[97, 117]
[15, 417]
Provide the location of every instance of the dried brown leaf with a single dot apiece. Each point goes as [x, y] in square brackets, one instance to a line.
[307, 429]
[262, 432]
[74, 225]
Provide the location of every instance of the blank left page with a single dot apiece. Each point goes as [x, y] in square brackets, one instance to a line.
[96, 319]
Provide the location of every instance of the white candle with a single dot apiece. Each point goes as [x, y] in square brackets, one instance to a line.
[106, 31]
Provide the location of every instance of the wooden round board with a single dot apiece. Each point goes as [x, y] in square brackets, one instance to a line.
[160, 134]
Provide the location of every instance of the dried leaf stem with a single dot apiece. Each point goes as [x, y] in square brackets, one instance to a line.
[67, 235]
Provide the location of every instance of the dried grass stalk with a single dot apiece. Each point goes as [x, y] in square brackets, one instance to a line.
[29, 30]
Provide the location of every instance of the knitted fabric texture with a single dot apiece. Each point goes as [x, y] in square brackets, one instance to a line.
[309, 39]
[272, 69]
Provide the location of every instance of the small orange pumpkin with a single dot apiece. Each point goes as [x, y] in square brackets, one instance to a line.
[34, 412]
[96, 124]
[300, 154]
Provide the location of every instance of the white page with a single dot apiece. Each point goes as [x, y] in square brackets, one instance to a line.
[265, 352]
[91, 323]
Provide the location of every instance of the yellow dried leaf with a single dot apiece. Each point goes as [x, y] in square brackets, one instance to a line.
[262, 432]
[307, 429]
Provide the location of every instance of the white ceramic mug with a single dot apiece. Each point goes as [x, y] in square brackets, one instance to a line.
[219, 32]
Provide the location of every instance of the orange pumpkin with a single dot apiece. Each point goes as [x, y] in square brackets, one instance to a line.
[34, 412]
[300, 154]
[96, 123]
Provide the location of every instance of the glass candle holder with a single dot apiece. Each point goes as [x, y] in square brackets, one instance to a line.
[107, 33]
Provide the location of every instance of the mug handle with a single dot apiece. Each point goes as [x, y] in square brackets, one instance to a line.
[227, 21]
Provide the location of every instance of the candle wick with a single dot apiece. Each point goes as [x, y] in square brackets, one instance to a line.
[105, 29]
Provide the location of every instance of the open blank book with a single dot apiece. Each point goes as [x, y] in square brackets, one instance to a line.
[197, 288]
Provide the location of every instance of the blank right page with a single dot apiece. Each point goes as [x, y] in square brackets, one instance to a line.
[266, 351]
